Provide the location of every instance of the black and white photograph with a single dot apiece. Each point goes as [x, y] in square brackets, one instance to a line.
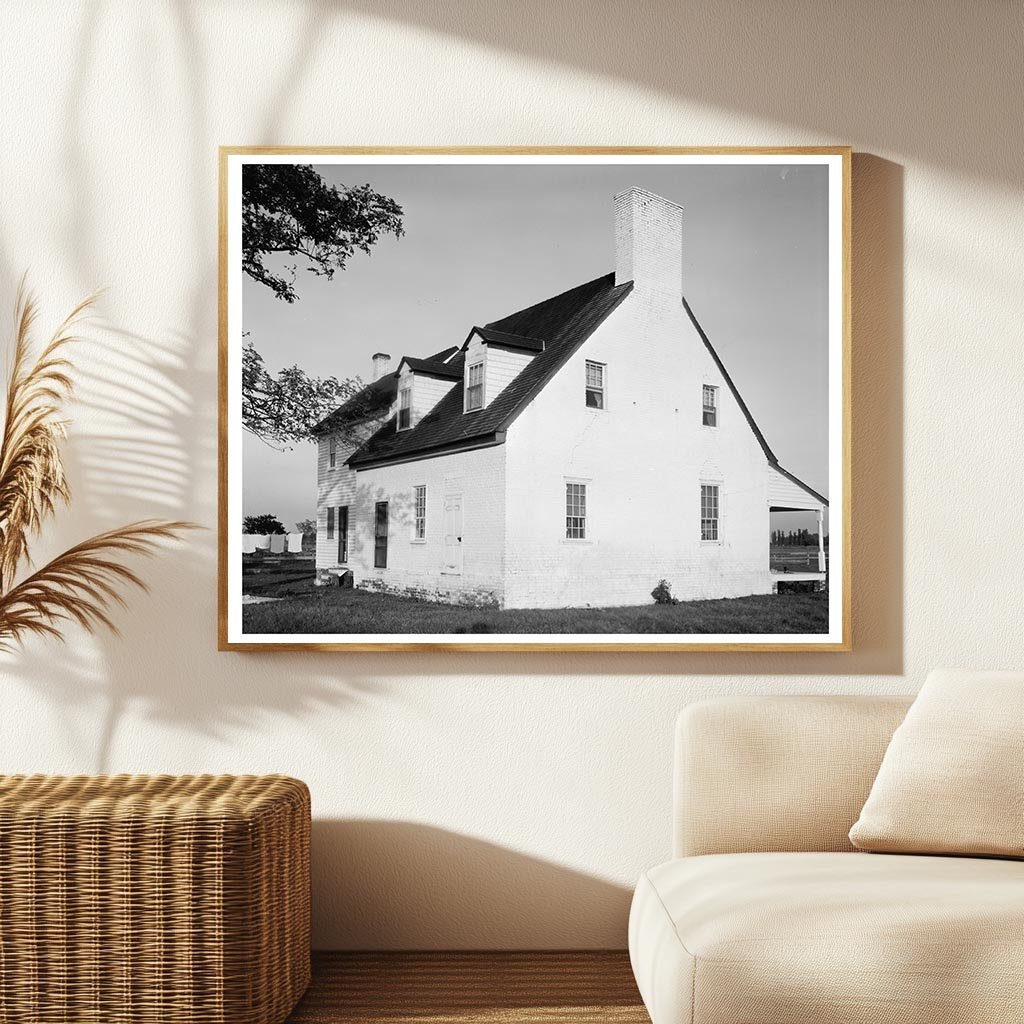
[535, 399]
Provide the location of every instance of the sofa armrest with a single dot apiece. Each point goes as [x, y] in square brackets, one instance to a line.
[765, 774]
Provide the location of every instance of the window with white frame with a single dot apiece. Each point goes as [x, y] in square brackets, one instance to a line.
[710, 403]
[332, 457]
[575, 511]
[419, 529]
[709, 512]
[595, 384]
[405, 408]
[475, 387]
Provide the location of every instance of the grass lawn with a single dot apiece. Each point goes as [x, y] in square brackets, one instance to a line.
[304, 608]
[278, 575]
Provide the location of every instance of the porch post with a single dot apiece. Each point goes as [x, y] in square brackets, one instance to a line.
[821, 540]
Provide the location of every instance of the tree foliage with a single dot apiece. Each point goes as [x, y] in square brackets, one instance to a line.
[307, 527]
[290, 209]
[264, 524]
[282, 409]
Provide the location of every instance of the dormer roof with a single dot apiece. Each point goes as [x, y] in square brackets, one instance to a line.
[433, 367]
[504, 339]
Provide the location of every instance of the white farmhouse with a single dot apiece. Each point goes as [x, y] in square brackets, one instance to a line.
[573, 453]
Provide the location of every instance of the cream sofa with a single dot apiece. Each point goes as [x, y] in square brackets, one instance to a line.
[767, 914]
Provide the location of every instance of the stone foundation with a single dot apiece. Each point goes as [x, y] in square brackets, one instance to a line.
[464, 597]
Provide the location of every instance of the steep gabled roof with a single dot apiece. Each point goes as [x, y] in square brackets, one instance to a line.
[561, 323]
[769, 454]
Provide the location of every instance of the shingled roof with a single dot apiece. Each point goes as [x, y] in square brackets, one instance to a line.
[561, 324]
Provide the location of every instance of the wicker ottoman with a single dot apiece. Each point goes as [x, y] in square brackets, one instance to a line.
[134, 899]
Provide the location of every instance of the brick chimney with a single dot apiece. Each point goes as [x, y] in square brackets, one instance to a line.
[649, 242]
[381, 364]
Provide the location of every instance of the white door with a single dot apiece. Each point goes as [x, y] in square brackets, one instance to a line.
[453, 534]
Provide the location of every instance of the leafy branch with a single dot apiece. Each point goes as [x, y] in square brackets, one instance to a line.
[289, 209]
[283, 409]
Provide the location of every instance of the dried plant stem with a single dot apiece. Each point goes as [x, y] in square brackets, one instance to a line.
[84, 582]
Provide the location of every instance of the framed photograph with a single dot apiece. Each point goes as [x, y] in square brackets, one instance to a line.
[535, 399]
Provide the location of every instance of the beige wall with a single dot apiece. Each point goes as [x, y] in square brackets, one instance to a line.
[486, 799]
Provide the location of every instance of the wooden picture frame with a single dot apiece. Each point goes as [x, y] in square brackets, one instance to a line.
[622, 533]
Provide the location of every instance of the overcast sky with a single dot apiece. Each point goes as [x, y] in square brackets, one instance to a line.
[481, 242]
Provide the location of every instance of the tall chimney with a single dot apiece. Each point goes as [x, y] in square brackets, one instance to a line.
[381, 364]
[649, 242]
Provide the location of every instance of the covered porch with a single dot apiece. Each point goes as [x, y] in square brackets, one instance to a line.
[799, 563]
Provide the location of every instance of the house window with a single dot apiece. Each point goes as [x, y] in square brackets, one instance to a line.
[405, 408]
[709, 512]
[342, 534]
[333, 444]
[595, 385]
[380, 535]
[330, 524]
[420, 513]
[475, 387]
[710, 403]
[575, 511]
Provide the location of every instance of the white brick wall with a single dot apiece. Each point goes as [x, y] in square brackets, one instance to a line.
[648, 241]
[643, 457]
[337, 486]
[415, 567]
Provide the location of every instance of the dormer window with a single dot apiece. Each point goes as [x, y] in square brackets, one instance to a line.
[405, 408]
[475, 387]
[710, 402]
[595, 385]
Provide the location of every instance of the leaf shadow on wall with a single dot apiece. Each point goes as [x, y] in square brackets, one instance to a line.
[450, 884]
[832, 72]
[145, 445]
[149, 448]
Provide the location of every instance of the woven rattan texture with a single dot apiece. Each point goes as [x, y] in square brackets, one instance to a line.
[153, 899]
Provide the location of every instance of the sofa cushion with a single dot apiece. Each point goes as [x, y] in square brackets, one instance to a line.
[952, 778]
[833, 938]
[783, 773]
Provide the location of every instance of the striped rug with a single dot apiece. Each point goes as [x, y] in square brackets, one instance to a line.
[471, 988]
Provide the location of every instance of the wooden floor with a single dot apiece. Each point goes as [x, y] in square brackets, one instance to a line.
[467, 988]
